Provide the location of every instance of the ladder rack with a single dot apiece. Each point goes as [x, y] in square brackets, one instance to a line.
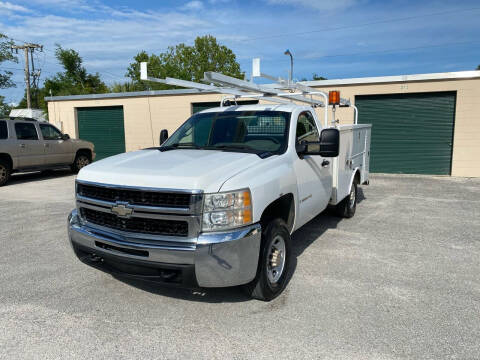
[280, 92]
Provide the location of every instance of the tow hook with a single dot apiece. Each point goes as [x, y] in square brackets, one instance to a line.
[95, 258]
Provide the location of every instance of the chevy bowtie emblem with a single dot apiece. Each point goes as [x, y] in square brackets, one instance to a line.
[122, 210]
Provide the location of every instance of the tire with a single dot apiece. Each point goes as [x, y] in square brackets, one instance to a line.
[81, 160]
[276, 242]
[346, 208]
[5, 172]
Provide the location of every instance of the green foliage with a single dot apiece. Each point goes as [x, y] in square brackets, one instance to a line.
[125, 87]
[6, 55]
[314, 77]
[38, 99]
[4, 108]
[185, 62]
[478, 67]
[74, 80]
[318, 77]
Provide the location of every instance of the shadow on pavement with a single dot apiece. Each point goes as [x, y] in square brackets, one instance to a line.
[38, 176]
[301, 240]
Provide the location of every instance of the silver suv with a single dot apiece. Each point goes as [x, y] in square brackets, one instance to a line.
[30, 145]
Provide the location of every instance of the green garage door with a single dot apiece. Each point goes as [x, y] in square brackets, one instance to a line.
[104, 127]
[411, 133]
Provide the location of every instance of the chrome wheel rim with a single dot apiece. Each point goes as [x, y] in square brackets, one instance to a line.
[276, 259]
[82, 161]
[3, 173]
[353, 194]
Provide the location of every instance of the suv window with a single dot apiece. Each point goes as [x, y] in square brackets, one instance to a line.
[26, 131]
[50, 133]
[306, 128]
[3, 130]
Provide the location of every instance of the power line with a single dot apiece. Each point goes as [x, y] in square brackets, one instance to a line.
[29, 48]
[358, 25]
[395, 50]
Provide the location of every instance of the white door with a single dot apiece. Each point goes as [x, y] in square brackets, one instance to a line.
[57, 150]
[30, 148]
[314, 174]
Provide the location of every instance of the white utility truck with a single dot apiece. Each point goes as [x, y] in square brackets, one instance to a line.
[216, 203]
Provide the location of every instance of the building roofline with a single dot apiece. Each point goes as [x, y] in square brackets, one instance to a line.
[127, 94]
[458, 75]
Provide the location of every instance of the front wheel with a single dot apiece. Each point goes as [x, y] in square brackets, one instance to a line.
[274, 263]
[81, 160]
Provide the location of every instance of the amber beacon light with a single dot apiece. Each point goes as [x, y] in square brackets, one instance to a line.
[334, 97]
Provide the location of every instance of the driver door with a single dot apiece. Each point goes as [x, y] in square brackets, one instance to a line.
[57, 150]
[314, 176]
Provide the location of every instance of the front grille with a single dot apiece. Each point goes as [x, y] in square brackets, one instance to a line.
[135, 197]
[139, 225]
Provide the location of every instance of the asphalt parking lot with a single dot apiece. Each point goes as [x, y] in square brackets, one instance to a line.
[399, 280]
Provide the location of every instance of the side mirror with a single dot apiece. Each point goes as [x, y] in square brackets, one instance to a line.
[163, 136]
[329, 142]
[65, 137]
[328, 146]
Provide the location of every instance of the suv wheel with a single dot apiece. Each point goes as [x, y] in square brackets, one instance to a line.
[81, 160]
[274, 263]
[4, 172]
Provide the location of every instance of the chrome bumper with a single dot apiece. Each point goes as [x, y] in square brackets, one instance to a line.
[219, 259]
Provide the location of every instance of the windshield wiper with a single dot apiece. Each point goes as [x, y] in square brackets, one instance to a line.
[179, 146]
[232, 146]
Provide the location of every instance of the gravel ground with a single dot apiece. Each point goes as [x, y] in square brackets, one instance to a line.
[399, 280]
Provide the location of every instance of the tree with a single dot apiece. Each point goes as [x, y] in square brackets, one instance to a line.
[478, 67]
[314, 77]
[74, 80]
[318, 77]
[185, 62]
[6, 55]
[4, 108]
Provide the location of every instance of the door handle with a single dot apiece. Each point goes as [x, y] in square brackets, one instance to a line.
[325, 163]
[22, 146]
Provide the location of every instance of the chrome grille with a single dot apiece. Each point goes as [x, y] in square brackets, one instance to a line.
[136, 224]
[135, 197]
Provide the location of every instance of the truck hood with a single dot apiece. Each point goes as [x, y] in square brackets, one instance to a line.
[188, 169]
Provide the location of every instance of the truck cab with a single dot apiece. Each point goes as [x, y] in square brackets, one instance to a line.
[216, 203]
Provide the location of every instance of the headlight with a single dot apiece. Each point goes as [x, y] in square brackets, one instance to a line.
[222, 211]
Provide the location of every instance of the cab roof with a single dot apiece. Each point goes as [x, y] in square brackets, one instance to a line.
[259, 107]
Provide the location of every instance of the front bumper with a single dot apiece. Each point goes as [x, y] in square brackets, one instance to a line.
[216, 259]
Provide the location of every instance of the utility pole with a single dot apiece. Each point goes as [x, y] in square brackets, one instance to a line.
[27, 47]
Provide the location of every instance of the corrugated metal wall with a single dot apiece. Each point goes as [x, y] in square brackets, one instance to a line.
[411, 133]
[104, 127]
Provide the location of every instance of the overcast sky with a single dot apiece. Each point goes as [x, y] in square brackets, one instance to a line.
[333, 38]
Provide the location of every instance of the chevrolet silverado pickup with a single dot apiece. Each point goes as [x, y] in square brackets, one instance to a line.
[215, 205]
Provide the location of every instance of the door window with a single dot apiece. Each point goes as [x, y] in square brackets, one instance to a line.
[306, 128]
[26, 131]
[3, 130]
[50, 133]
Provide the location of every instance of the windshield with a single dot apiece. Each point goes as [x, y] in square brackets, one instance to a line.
[260, 132]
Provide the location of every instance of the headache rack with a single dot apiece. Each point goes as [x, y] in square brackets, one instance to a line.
[281, 91]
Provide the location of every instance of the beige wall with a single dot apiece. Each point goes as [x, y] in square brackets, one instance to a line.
[146, 116]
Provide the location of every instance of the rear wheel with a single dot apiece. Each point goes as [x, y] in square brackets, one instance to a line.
[5, 172]
[346, 208]
[274, 263]
[81, 160]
